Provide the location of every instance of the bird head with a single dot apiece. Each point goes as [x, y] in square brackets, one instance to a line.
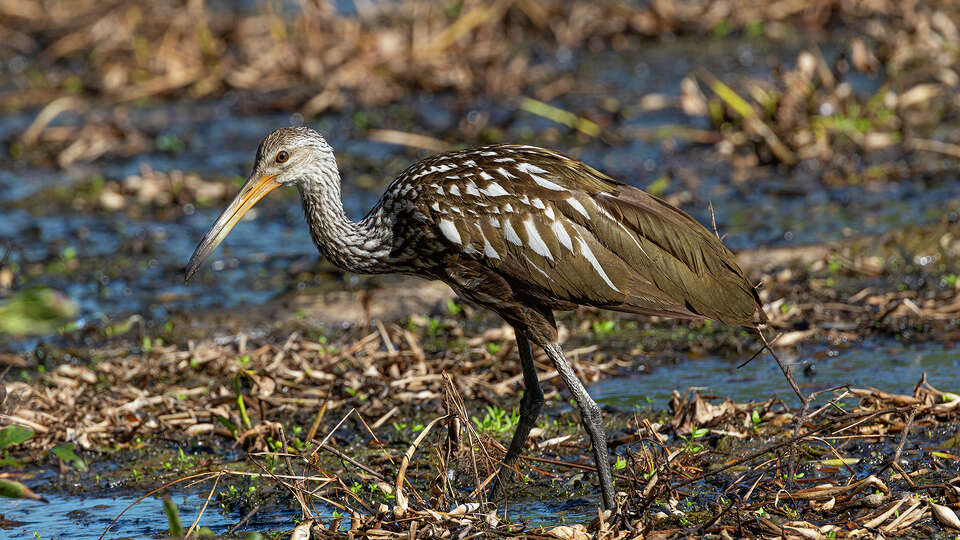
[287, 156]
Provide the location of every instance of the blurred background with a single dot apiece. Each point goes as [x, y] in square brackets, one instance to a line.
[128, 125]
[823, 134]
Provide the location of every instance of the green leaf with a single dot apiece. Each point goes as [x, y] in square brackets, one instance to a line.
[35, 311]
[173, 517]
[15, 490]
[65, 451]
[14, 434]
[560, 116]
[839, 462]
[952, 442]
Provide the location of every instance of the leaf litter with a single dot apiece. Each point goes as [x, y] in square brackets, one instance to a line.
[886, 465]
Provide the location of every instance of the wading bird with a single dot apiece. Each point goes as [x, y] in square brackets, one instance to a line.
[520, 230]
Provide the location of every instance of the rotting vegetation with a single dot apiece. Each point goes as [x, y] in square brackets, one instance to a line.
[316, 61]
[340, 410]
[868, 463]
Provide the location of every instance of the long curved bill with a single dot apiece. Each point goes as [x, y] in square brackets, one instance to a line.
[251, 192]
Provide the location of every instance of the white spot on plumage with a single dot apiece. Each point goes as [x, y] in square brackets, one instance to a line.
[537, 203]
[439, 189]
[494, 190]
[529, 168]
[588, 253]
[450, 231]
[511, 235]
[609, 216]
[485, 175]
[435, 205]
[454, 190]
[505, 160]
[536, 242]
[549, 213]
[543, 182]
[434, 169]
[487, 248]
[489, 251]
[561, 233]
[471, 189]
[508, 208]
[470, 250]
[602, 211]
[494, 222]
[578, 207]
[456, 210]
[525, 200]
[534, 265]
[506, 173]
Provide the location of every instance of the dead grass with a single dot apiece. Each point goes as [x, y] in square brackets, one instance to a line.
[82, 53]
[117, 391]
[703, 472]
[193, 388]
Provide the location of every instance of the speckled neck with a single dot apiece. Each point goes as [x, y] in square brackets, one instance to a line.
[362, 247]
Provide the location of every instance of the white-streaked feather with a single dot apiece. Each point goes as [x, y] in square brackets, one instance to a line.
[536, 242]
[450, 231]
[588, 254]
[494, 190]
[578, 207]
[511, 235]
[561, 233]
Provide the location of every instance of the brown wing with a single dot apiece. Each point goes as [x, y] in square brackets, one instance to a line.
[559, 230]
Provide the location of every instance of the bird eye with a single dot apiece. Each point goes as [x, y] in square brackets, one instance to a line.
[282, 156]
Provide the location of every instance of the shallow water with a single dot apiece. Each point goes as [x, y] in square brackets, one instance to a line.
[115, 278]
[134, 265]
[887, 365]
[86, 517]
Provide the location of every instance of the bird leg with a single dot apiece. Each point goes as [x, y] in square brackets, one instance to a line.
[530, 405]
[592, 419]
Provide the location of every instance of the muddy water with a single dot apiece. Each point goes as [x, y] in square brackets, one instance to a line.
[87, 517]
[899, 370]
[133, 265]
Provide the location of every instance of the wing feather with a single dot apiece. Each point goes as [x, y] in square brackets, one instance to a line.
[561, 230]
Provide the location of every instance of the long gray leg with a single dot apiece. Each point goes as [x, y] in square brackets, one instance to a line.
[592, 420]
[530, 405]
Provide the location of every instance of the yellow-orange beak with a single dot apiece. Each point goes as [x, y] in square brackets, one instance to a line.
[254, 190]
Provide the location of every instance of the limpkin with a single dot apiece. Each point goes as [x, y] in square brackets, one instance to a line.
[520, 230]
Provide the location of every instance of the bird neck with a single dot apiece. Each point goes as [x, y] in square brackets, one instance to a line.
[355, 246]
